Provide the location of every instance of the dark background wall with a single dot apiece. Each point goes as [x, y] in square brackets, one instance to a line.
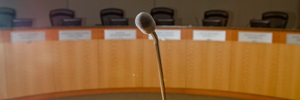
[187, 11]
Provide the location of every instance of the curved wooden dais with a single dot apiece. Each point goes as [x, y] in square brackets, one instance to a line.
[55, 68]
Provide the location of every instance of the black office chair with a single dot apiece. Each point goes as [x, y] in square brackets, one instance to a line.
[278, 19]
[57, 16]
[113, 16]
[257, 23]
[216, 15]
[212, 22]
[6, 17]
[72, 22]
[163, 15]
[165, 22]
[119, 21]
[24, 22]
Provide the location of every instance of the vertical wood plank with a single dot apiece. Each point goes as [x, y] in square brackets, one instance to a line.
[2, 69]
[121, 63]
[289, 72]
[150, 67]
[255, 68]
[208, 65]
[173, 54]
[29, 68]
[76, 65]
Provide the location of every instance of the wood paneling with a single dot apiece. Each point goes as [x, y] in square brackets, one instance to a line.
[289, 72]
[208, 65]
[76, 65]
[120, 63]
[30, 68]
[58, 66]
[76, 62]
[173, 55]
[254, 68]
[2, 69]
[150, 67]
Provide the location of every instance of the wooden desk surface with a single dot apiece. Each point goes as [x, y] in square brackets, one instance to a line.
[239, 68]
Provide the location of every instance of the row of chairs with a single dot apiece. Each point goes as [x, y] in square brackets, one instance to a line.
[271, 19]
[110, 16]
[161, 15]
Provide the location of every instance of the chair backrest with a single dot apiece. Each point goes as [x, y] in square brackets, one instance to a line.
[6, 16]
[72, 22]
[57, 16]
[257, 23]
[278, 19]
[22, 22]
[111, 13]
[164, 21]
[119, 22]
[162, 13]
[212, 22]
[217, 14]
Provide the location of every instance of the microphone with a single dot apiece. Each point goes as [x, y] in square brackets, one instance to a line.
[146, 24]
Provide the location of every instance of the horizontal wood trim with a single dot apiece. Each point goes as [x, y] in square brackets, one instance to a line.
[149, 90]
[279, 36]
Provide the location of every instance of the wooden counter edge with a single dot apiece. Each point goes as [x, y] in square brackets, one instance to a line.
[149, 90]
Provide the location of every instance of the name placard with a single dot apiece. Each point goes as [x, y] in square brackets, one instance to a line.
[293, 38]
[209, 35]
[260, 37]
[119, 34]
[167, 35]
[19, 37]
[75, 35]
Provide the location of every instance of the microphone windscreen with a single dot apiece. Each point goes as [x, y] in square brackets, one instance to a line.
[145, 22]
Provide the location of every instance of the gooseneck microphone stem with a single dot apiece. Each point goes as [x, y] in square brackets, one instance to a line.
[160, 68]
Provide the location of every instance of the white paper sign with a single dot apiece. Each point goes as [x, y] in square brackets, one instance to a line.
[17, 37]
[75, 35]
[293, 39]
[209, 35]
[260, 37]
[167, 35]
[119, 34]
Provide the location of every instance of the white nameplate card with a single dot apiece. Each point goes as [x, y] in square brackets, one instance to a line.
[19, 37]
[209, 35]
[75, 35]
[167, 35]
[293, 38]
[119, 34]
[260, 37]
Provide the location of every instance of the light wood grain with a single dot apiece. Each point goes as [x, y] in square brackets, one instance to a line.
[173, 54]
[59, 66]
[150, 67]
[2, 69]
[289, 72]
[255, 68]
[121, 63]
[208, 65]
[76, 65]
[29, 68]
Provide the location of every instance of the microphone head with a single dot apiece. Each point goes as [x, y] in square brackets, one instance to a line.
[145, 23]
